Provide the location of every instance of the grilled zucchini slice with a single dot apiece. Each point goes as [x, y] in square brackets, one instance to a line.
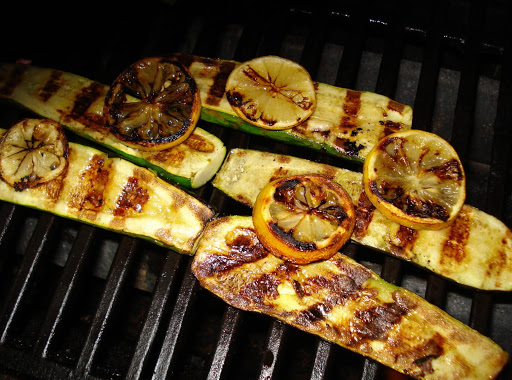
[343, 302]
[117, 195]
[345, 123]
[77, 103]
[476, 250]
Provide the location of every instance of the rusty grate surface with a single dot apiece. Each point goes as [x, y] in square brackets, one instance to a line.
[83, 303]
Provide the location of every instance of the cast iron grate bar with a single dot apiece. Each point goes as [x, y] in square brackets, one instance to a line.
[466, 96]
[322, 356]
[75, 265]
[155, 316]
[177, 325]
[7, 213]
[274, 346]
[31, 259]
[352, 51]
[502, 138]
[226, 344]
[424, 101]
[113, 287]
[315, 42]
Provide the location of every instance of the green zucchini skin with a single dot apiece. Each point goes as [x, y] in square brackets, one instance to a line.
[345, 123]
[475, 251]
[77, 103]
[117, 195]
[343, 302]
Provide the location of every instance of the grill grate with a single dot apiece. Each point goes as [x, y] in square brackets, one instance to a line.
[83, 303]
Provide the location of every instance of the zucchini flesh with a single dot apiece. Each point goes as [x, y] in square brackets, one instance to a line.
[345, 123]
[476, 250]
[115, 194]
[343, 302]
[77, 103]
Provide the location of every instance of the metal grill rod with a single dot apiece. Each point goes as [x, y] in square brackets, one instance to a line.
[33, 255]
[70, 279]
[155, 315]
[110, 298]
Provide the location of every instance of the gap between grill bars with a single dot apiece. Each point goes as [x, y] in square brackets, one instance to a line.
[119, 307]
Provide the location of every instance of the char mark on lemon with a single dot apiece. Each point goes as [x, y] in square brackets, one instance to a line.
[364, 215]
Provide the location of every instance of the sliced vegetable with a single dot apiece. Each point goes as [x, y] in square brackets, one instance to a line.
[343, 302]
[345, 123]
[271, 92]
[166, 108]
[475, 250]
[33, 152]
[416, 179]
[77, 103]
[303, 218]
[117, 195]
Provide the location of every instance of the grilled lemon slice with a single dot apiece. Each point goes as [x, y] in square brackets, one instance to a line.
[33, 152]
[271, 92]
[303, 218]
[416, 179]
[166, 109]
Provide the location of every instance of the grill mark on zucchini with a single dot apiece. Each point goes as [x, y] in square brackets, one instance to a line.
[396, 106]
[87, 196]
[14, 77]
[86, 97]
[432, 349]
[261, 290]
[403, 242]
[364, 215]
[51, 86]
[224, 68]
[217, 90]
[454, 246]
[375, 322]
[132, 198]
[199, 143]
[313, 314]
[351, 106]
[245, 248]
[53, 188]
[350, 148]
